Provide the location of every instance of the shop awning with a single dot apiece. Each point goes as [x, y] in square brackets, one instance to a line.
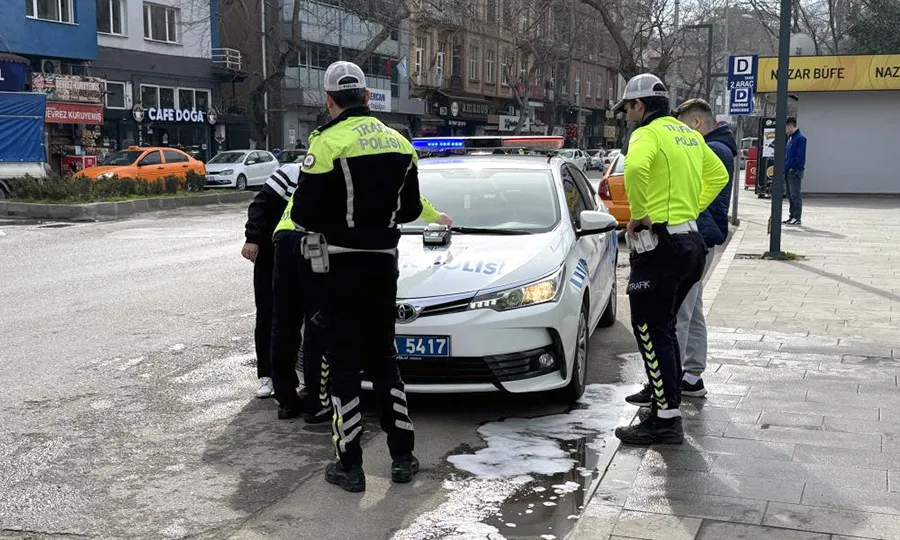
[13, 59]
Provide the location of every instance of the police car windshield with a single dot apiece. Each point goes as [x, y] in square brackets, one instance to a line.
[228, 157]
[496, 199]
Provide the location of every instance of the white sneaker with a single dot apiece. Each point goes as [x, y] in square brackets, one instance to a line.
[265, 389]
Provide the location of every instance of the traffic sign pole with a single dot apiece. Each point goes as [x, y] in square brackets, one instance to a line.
[742, 72]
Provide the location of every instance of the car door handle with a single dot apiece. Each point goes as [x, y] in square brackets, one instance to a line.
[160, 168]
[184, 166]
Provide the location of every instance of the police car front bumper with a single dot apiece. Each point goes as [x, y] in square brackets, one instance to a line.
[518, 351]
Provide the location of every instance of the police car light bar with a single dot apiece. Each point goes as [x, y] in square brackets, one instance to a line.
[526, 142]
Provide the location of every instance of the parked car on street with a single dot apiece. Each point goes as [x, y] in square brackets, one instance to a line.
[148, 163]
[595, 157]
[509, 302]
[240, 168]
[576, 157]
[612, 191]
[610, 157]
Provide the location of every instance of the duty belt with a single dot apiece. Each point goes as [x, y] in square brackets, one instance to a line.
[683, 228]
[334, 250]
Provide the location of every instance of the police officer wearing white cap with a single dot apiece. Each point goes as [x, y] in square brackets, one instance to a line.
[358, 181]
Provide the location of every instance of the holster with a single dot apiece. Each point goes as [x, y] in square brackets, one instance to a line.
[315, 249]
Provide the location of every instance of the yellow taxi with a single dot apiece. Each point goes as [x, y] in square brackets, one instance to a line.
[146, 163]
[612, 191]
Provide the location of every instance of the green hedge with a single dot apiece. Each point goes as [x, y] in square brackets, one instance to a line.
[79, 189]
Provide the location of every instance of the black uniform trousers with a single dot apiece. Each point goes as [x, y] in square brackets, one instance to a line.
[659, 281]
[359, 310]
[262, 292]
[296, 291]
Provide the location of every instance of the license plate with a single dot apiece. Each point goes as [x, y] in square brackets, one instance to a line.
[422, 346]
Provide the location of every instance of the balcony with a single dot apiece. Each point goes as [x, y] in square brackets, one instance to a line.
[228, 59]
[432, 78]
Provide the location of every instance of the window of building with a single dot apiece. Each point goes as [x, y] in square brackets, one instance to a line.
[599, 92]
[115, 95]
[505, 68]
[420, 53]
[456, 61]
[473, 63]
[157, 96]
[439, 60]
[110, 18]
[489, 67]
[491, 11]
[577, 82]
[51, 10]
[610, 84]
[160, 23]
[587, 91]
[523, 69]
[508, 12]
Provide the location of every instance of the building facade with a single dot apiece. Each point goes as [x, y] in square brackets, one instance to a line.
[164, 74]
[500, 63]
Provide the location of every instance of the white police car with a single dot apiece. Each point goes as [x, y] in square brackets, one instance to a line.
[509, 303]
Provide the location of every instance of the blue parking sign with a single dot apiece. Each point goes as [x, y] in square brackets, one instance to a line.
[741, 83]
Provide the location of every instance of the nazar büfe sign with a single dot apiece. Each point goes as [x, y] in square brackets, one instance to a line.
[833, 73]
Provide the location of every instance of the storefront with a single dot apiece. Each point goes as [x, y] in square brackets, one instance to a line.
[461, 115]
[194, 131]
[73, 120]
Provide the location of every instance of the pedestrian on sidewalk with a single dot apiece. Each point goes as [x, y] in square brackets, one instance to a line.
[671, 175]
[713, 225]
[359, 181]
[794, 167]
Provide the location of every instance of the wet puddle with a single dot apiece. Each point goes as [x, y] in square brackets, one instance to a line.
[534, 476]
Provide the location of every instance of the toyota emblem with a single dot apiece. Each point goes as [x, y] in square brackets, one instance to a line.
[406, 313]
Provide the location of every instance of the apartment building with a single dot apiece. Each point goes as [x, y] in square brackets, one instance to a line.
[164, 71]
[478, 73]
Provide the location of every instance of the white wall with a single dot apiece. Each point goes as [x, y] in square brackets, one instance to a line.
[852, 141]
[193, 30]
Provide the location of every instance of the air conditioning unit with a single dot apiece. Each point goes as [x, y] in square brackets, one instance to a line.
[53, 67]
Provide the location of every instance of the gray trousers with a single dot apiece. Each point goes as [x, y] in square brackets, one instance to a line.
[691, 325]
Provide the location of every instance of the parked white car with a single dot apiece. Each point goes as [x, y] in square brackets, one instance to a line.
[240, 169]
[576, 156]
[595, 158]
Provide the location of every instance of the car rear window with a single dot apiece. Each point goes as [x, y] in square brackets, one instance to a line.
[619, 167]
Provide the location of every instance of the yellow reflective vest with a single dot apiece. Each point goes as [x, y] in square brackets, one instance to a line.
[671, 175]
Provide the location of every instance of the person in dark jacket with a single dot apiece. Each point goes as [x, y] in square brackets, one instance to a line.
[713, 225]
[794, 167]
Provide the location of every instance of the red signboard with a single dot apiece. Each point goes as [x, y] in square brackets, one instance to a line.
[73, 113]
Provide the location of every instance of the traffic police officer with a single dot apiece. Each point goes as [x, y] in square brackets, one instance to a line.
[671, 175]
[359, 181]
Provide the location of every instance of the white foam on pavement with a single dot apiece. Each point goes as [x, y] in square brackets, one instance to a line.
[516, 449]
[518, 446]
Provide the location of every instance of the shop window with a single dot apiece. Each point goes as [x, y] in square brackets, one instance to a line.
[115, 95]
[174, 157]
[152, 158]
[109, 17]
[167, 98]
[185, 98]
[149, 96]
[50, 10]
[160, 23]
[201, 98]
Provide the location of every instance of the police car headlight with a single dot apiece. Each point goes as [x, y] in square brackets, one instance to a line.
[545, 290]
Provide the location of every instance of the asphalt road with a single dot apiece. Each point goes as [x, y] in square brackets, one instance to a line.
[127, 372]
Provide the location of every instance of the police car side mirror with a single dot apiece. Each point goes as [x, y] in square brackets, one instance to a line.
[594, 222]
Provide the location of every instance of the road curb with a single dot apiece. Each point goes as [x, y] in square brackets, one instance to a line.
[107, 211]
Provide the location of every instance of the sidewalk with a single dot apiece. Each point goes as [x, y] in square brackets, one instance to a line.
[796, 440]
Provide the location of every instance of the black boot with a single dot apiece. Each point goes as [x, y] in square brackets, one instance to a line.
[286, 413]
[653, 430]
[642, 398]
[404, 468]
[323, 415]
[351, 479]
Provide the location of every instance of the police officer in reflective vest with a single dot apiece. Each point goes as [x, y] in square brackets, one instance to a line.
[359, 181]
[671, 175]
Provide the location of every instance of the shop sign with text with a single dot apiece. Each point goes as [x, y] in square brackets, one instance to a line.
[156, 114]
[833, 73]
[73, 113]
[380, 100]
[469, 109]
[71, 88]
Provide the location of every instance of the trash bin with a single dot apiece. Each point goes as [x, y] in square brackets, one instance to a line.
[750, 167]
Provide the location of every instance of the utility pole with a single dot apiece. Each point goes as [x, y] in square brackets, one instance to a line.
[265, 63]
[781, 106]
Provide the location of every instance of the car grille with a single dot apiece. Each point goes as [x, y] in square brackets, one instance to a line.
[455, 306]
[469, 370]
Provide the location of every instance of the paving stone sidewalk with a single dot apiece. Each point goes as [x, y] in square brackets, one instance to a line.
[798, 438]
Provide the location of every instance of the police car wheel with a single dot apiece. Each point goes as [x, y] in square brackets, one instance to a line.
[609, 314]
[241, 183]
[576, 386]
